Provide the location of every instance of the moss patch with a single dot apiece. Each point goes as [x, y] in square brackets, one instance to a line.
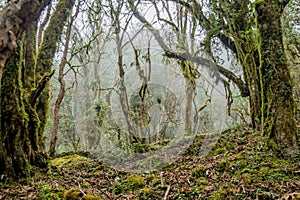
[76, 193]
[72, 161]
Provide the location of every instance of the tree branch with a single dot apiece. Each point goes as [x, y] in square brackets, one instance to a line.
[197, 11]
[35, 94]
[186, 56]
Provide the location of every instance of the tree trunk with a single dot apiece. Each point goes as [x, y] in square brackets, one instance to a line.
[62, 91]
[20, 122]
[15, 18]
[278, 105]
[190, 85]
[14, 157]
[46, 53]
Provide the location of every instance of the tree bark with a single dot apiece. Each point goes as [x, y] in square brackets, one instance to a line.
[14, 157]
[278, 105]
[20, 91]
[15, 18]
[46, 54]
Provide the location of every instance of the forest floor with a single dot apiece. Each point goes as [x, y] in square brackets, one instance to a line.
[240, 166]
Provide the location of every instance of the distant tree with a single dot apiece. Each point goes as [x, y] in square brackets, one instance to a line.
[291, 32]
[252, 32]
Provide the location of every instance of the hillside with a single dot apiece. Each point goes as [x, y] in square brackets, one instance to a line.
[240, 166]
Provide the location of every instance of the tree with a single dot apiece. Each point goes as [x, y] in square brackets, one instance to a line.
[252, 32]
[291, 31]
[25, 98]
[61, 80]
[278, 104]
[258, 44]
[16, 17]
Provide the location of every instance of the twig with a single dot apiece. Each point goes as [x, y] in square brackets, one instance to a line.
[161, 179]
[84, 194]
[167, 192]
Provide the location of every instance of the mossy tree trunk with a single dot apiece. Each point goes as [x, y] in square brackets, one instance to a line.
[46, 53]
[19, 121]
[245, 47]
[278, 105]
[16, 149]
[15, 18]
[22, 89]
[62, 89]
[265, 68]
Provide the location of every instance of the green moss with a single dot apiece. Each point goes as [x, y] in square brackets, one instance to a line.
[135, 181]
[239, 156]
[139, 147]
[219, 194]
[202, 181]
[154, 147]
[149, 177]
[220, 150]
[145, 193]
[72, 161]
[264, 171]
[247, 170]
[237, 175]
[75, 193]
[14, 121]
[120, 187]
[230, 146]
[91, 197]
[47, 192]
[223, 165]
[199, 171]
[155, 182]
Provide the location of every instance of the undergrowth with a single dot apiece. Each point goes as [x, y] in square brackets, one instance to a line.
[240, 165]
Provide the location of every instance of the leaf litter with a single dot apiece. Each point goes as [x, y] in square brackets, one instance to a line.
[239, 166]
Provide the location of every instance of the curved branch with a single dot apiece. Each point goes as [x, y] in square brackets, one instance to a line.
[213, 67]
[186, 56]
[36, 93]
[197, 11]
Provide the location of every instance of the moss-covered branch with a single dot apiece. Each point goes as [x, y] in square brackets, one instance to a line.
[186, 56]
[35, 94]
